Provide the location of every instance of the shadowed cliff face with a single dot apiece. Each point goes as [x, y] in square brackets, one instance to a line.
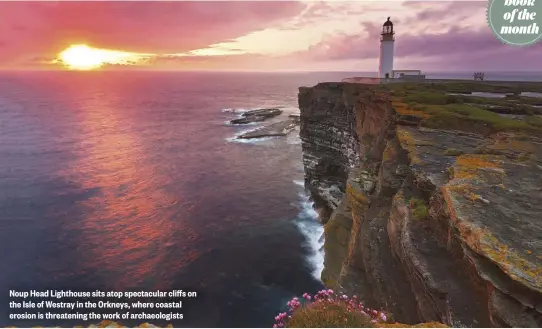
[431, 224]
[329, 141]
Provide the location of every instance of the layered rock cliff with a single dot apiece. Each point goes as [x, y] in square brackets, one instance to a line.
[435, 211]
[328, 122]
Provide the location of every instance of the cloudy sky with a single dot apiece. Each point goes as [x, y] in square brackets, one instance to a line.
[280, 35]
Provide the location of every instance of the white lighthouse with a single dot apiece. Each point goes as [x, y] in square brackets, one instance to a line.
[386, 50]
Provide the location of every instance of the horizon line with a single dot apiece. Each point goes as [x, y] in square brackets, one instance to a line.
[245, 71]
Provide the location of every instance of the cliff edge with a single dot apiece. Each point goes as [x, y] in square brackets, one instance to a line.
[433, 198]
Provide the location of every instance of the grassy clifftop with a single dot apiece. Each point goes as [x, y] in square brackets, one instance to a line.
[452, 106]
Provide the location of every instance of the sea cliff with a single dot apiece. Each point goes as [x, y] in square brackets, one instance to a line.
[434, 201]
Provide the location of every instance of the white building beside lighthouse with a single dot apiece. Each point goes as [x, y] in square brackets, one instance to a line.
[387, 40]
[386, 73]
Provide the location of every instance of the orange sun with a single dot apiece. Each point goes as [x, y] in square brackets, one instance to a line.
[83, 57]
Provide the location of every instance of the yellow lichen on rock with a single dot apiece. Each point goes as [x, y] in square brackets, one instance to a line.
[465, 190]
[389, 153]
[514, 145]
[468, 165]
[356, 194]
[484, 243]
[512, 262]
[404, 109]
[408, 143]
[469, 233]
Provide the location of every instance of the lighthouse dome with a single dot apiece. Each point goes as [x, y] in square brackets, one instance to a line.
[388, 22]
[387, 28]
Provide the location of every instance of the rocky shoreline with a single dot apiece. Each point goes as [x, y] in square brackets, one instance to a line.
[258, 115]
[274, 129]
[281, 128]
[435, 215]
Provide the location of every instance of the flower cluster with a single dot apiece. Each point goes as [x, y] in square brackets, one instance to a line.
[331, 298]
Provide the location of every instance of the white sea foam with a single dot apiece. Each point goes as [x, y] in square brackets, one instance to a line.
[293, 137]
[249, 140]
[235, 138]
[299, 183]
[290, 110]
[309, 225]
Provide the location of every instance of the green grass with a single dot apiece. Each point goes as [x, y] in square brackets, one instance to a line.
[464, 86]
[419, 208]
[534, 121]
[469, 113]
[430, 98]
[531, 100]
[472, 118]
[522, 106]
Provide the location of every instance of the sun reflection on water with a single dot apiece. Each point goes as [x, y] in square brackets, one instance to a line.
[128, 231]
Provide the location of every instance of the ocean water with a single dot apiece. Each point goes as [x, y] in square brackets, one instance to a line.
[134, 181]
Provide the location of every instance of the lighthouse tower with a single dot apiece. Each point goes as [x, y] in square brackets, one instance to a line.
[386, 50]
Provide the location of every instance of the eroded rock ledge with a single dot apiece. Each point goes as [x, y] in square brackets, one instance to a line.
[436, 210]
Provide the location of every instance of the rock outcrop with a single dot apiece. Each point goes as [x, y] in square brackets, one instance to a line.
[256, 116]
[281, 128]
[435, 210]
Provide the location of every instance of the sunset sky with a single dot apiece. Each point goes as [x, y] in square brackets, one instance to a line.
[263, 36]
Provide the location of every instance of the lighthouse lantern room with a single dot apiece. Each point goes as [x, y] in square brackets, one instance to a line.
[386, 50]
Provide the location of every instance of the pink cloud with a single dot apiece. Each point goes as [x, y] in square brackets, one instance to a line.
[34, 29]
[430, 35]
[456, 47]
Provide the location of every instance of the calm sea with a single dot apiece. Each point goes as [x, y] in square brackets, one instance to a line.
[133, 181]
